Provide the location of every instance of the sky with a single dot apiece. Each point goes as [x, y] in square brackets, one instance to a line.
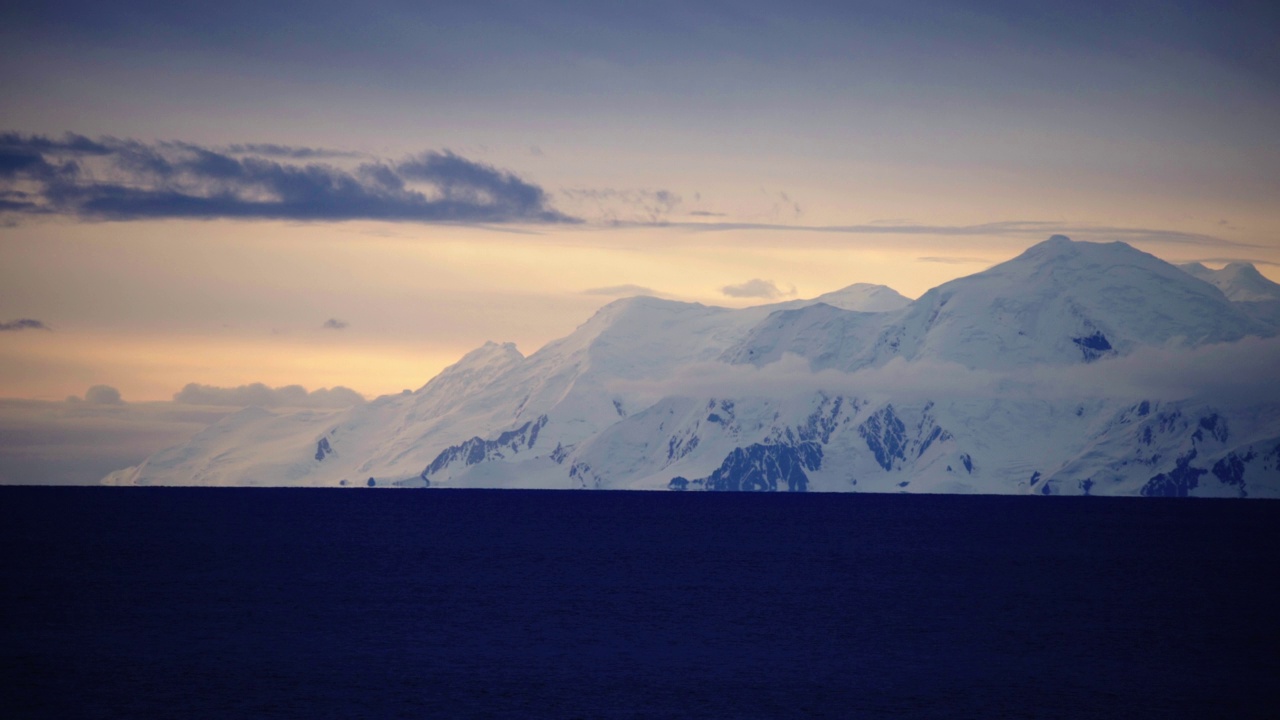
[337, 194]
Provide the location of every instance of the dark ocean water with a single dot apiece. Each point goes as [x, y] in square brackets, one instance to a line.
[220, 603]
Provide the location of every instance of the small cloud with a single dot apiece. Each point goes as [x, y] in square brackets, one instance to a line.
[535, 151]
[103, 395]
[705, 213]
[263, 396]
[756, 288]
[621, 291]
[335, 324]
[23, 324]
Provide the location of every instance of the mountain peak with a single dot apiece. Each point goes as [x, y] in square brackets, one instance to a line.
[1050, 303]
[487, 360]
[865, 297]
[1069, 262]
[1239, 281]
[1056, 245]
[492, 349]
[1244, 270]
[1061, 247]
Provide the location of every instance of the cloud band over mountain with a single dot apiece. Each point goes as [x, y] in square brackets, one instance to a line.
[264, 396]
[121, 179]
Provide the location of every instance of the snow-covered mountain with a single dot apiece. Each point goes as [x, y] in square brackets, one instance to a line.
[1239, 281]
[1243, 284]
[862, 297]
[1074, 368]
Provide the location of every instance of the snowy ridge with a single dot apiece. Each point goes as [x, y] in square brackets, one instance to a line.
[862, 297]
[1245, 286]
[1029, 377]
[1240, 282]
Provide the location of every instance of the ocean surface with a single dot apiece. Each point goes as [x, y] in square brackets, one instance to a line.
[262, 603]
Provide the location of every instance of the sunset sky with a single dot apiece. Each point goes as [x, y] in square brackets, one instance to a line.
[329, 193]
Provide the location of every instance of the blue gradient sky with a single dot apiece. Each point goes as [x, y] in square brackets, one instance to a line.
[700, 145]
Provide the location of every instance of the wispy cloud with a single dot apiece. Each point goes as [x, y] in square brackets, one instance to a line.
[114, 179]
[615, 206]
[621, 291]
[756, 288]
[1004, 228]
[335, 324]
[954, 260]
[22, 324]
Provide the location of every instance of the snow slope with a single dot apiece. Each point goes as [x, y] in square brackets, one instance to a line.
[967, 389]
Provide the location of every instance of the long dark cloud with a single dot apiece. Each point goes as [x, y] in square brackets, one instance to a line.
[22, 324]
[114, 179]
[263, 396]
[293, 152]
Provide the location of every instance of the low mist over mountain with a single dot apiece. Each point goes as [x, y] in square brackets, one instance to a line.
[1074, 368]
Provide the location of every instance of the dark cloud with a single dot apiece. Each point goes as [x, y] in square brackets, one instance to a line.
[103, 395]
[705, 213]
[113, 179]
[464, 183]
[335, 324]
[756, 288]
[263, 396]
[22, 324]
[292, 152]
[621, 291]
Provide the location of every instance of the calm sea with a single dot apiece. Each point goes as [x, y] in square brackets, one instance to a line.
[227, 603]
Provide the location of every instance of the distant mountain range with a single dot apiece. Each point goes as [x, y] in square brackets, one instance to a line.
[1074, 368]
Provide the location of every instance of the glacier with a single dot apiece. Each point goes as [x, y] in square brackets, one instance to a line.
[1072, 369]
